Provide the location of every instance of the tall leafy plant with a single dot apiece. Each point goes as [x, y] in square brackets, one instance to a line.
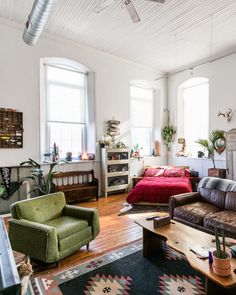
[215, 143]
[42, 183]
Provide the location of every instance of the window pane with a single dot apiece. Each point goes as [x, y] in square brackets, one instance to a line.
[196, 115]
[141, 92]
[65, 104]
[141, 111]
[142, 137]
[69, 137]
[65, 76]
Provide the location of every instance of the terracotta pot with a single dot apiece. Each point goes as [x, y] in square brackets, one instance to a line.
[222, 266]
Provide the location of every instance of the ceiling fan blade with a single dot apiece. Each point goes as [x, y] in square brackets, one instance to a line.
[160, 1]
[132, 11]
[103, 4]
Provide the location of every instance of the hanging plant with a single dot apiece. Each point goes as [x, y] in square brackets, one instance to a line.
[168, 132]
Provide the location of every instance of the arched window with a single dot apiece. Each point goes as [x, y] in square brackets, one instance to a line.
[193, 112]
[141, 117]
[67, 107]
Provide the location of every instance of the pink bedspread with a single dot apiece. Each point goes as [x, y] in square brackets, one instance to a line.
[158, 189]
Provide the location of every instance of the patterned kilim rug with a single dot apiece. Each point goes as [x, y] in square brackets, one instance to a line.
[136, 209]
[126, 271]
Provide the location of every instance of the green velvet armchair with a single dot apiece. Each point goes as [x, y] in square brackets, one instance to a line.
[47, 229]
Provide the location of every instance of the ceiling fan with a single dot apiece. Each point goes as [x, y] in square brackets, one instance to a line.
[103, 4]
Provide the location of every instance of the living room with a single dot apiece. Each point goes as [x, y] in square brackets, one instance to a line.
[155, 47]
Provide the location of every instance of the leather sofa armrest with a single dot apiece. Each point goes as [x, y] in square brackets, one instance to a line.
[182, 199]
[34, 239]
[90, 214]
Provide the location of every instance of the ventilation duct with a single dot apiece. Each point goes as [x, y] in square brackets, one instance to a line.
[37, 19]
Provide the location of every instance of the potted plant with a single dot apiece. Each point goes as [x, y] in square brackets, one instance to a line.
[215, 143]
[42, 183]
[221, 257]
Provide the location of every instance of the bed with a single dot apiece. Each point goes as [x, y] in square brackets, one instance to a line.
[159, 183]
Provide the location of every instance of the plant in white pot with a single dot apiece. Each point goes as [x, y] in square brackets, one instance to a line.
[221, 257]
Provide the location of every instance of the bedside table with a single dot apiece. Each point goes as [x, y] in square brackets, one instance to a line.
[135, 180]
[194, 182]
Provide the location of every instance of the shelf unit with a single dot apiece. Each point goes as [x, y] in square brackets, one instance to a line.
[11, 129]
[231, 154]
[115, 169]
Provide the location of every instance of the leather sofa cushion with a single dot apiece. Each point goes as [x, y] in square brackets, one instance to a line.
[223, 219]
[195, 212]
[230, 201]
[67, 225]
[213, 196]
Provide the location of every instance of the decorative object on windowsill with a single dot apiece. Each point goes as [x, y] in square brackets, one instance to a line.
[216, 143]
[182, 152]
[55, 153]
[157, 148]
[200, 154]
[69, 156]
[136, 151]
[227, 115]
[221, 258]
[47, 157]
[105, 141]
[86, 156]
[42, 183]
[168, 132]
[120, 145]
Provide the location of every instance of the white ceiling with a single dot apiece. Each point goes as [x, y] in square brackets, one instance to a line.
[170, 36]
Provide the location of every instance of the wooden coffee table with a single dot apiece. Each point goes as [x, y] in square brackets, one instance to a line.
[181, 237]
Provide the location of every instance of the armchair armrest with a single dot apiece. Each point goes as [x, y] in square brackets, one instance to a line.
[34, 239]
[182, 199]
[90, 214]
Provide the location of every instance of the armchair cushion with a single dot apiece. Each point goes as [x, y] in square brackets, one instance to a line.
[40, 209]
[194, 212]
[91, 215]
[67, 225]
[223, 219]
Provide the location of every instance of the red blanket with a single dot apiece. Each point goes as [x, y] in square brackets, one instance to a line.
[158, 189]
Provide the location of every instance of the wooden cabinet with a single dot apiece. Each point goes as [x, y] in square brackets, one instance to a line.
[76, 185]
[11, 129]
[115, 169]
[231, 154]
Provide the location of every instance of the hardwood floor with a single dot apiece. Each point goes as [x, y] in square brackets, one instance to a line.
[116, 231]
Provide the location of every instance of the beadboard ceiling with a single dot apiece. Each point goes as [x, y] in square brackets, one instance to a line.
[170, 36]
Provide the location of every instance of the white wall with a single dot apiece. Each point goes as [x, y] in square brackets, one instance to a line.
[222, 95]
[19, 85]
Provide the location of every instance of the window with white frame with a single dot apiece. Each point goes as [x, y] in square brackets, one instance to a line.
[65, 110]
[194, 97]
[141, 118]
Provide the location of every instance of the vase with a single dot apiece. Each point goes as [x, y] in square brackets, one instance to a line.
[222, 266]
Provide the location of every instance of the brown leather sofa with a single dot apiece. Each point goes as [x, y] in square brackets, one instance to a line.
[212, 207]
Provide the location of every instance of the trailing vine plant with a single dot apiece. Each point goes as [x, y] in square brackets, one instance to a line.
[168, 132]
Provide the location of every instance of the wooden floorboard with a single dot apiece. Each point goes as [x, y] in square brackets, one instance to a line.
[116, 231]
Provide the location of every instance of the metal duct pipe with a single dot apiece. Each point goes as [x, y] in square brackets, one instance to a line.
[37, 19]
